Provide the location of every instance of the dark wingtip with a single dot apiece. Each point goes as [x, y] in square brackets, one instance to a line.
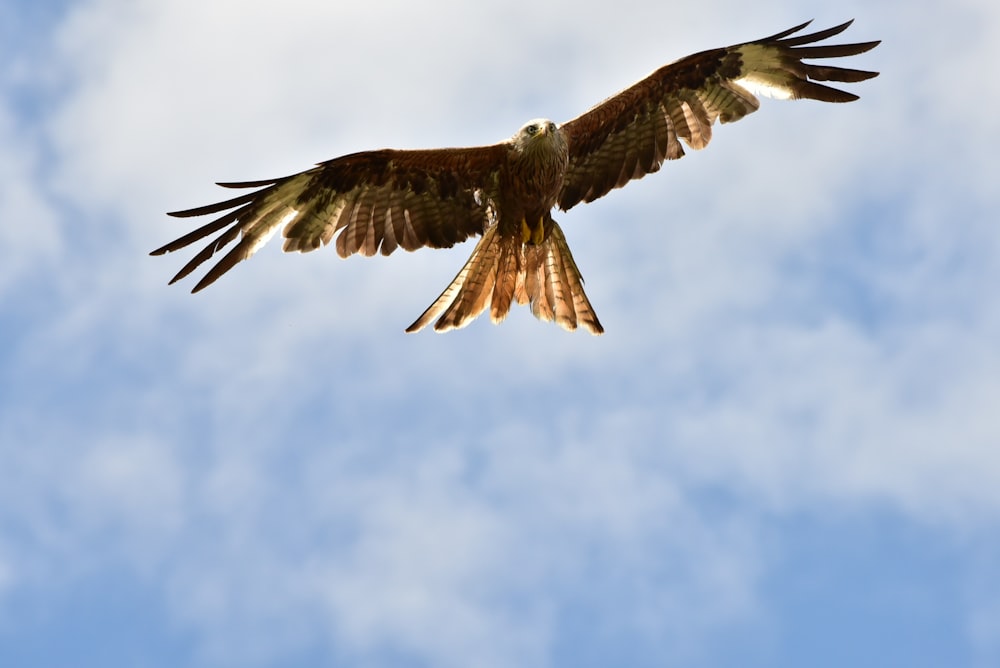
[868, 46]
[247, 184]
[786, 33]
[202, 210]
[818, 36]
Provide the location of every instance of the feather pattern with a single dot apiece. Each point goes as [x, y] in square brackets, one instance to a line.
[470, 291]
[630, 134]
[378, 201]
[500, 271]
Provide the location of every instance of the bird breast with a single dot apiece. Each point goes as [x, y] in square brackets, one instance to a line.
[538, 170]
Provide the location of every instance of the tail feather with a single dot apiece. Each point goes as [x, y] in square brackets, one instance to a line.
[509, 274]
[469, 292]
[562, 284]
[503, 270]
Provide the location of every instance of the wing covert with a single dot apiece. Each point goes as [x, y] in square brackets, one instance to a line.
[375, 201]
[630, 134]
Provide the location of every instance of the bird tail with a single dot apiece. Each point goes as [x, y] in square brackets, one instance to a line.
[503, 270]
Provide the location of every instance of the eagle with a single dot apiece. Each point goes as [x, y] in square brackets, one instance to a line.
[377, 201]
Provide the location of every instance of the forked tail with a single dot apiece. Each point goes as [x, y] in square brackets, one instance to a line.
[503, 270]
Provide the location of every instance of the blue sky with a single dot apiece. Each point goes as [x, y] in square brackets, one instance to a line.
[783, 452]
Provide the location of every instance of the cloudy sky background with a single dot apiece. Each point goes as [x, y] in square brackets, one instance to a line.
[783, 452]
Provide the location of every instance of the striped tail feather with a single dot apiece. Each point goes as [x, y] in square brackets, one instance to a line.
[552, 283]
[502, 270]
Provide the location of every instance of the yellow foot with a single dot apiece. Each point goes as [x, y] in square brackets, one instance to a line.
[532, 234]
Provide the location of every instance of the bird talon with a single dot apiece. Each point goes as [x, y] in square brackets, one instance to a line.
[538, 234]
[532, 234]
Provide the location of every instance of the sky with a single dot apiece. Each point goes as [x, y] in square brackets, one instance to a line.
[783, 452]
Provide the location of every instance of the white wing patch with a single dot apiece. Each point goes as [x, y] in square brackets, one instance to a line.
[262, 239]
[764, 73]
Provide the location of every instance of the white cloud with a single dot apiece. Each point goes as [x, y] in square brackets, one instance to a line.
[29, 240]
[295, 470]
[448, 552]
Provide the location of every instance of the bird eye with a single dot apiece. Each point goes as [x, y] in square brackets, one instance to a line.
[531, 129]
[552, 127]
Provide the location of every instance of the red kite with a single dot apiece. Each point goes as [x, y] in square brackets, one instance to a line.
[382, 200]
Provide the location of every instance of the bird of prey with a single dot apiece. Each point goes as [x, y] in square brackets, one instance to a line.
[378, 201]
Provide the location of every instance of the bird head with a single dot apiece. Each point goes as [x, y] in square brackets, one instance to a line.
[537, 132]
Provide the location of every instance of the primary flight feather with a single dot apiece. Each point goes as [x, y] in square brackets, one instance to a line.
[377, 201]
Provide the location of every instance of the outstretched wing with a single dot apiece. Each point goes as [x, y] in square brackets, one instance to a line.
[377, 200]
[630, 135]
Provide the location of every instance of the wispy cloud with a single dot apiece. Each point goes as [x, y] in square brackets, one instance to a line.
[800, 322]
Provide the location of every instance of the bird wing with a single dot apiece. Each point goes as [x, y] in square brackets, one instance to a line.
[630, 134]
[377, 200]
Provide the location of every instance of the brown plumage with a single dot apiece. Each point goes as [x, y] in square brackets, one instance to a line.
[377, 201]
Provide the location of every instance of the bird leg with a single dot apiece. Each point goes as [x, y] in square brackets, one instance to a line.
[533, 234]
